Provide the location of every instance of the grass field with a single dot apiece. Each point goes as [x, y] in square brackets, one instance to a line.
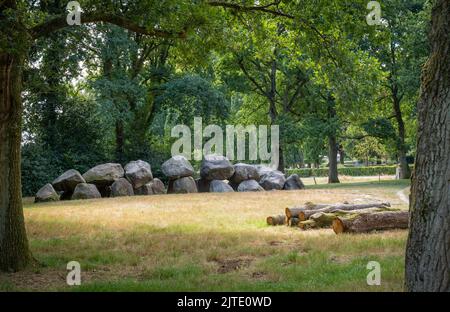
[207, 242]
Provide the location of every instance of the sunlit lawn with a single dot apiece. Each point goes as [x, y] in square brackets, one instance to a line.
[208, 242]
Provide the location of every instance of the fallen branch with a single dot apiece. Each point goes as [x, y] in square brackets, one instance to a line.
[304, 215]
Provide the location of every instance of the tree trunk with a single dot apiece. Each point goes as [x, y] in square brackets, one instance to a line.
[14, 251]
[368, 222]
[427, 252]
[341, 155]
[404, 171]
[120, 141]
[332, 145]
[333, 163]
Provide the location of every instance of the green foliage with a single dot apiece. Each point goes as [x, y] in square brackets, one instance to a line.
[78, 143]
[103, 93]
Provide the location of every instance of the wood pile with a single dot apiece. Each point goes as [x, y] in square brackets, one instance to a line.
[343, 218]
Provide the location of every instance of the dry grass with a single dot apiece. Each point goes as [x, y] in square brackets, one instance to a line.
[206, 242]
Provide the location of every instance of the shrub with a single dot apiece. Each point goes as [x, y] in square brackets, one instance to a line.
[346, 171]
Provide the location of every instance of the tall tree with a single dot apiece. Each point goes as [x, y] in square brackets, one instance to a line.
[18, 32]
[400, 47]
[427, 252]
[21, 24]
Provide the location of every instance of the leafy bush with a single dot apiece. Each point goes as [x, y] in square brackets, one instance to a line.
[347, 171]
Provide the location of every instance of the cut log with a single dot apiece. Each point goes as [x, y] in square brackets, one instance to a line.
[308, 224]
[304, 215]
[324, 219]
[276, 220]
[293, 222]
[368, 222]
[294, 211]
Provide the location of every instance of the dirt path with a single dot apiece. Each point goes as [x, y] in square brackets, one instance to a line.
[403, 197]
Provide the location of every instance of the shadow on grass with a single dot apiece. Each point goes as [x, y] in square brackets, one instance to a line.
[174, 258]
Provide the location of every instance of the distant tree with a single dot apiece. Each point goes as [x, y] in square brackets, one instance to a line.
[400, 46]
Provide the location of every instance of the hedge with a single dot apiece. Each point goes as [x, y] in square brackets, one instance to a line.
[346, 171]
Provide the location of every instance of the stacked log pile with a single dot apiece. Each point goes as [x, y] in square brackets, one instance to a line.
[344, 218]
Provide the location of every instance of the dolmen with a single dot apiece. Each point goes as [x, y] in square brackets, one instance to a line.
[216, 175]
[105, 180]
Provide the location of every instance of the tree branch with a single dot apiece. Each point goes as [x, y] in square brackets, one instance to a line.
[260, 8]
[247, 74]
[60, 22]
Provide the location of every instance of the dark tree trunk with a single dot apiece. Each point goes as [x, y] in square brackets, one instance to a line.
[273, 112]
[427, 253]
[341, 155]
[333, 163]
[281, 159]
[333, 176]
[405, 172]
[120, 141]
[14, 251]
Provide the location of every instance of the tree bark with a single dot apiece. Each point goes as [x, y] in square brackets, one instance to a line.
[368, 222]
[14, 250]
[428, 246]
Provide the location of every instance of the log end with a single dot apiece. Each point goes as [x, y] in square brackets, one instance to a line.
[269, 221]
[288, 212]
[302, 216]
[338, 226]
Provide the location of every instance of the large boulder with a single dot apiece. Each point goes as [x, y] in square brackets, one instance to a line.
[121, 187]
[152, 188]
[273, 180]
[144, 190]
[138, 173]
[158, 186]
[105, 174]
[215, 167]
[218, 186]
[68, 181]
[182, 186]
[85, 191]
[243, 172]
[250, 186]
[46, 194]
[177, 167]
[203, 185]
[294, 183]
[263, 170]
